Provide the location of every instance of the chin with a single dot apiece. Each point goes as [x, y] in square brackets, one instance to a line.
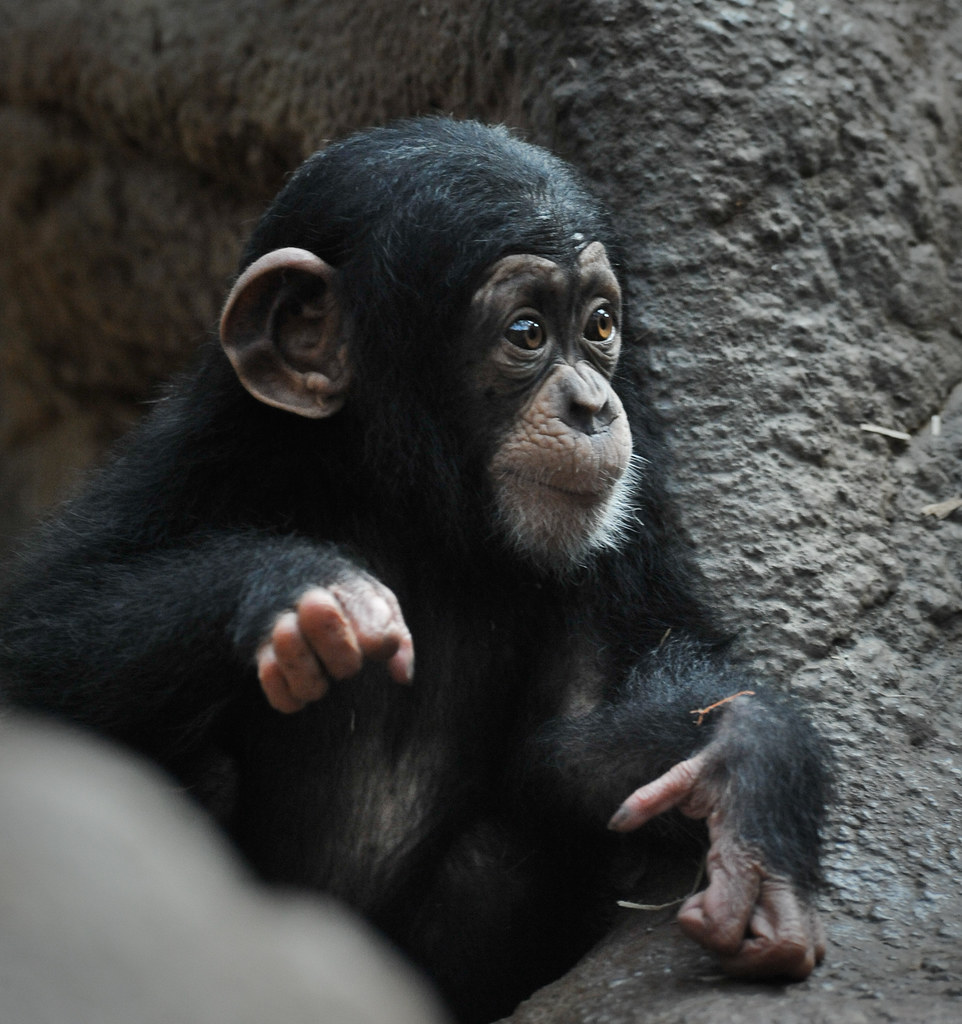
[561, 530]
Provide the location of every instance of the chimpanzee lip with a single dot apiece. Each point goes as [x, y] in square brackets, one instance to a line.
[592, 495]
[586, 496]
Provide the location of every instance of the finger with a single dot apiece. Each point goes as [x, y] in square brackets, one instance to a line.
[401, 665]
[819, 939]
[718, 917]
[274, 684]
[328, 631]
[379, 626]
[761, 958]
[377, 630]
[665, 792]
[785, 937]
[305, 676]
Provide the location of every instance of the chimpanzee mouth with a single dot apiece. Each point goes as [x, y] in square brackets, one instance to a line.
[591, 497]
[584, 495]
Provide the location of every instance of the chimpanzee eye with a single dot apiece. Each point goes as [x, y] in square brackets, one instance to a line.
[526, 333]
[600, 325]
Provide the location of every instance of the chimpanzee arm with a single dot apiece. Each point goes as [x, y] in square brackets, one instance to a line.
[159, 641]
[752, 766]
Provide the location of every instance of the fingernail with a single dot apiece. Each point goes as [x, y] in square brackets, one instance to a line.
[618, 819]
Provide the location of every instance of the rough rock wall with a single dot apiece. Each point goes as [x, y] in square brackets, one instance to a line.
[789, 178]
[140, 139]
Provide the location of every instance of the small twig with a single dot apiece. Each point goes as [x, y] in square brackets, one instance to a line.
[941, 509]
[628, 905]
[674, 903]
[664, 637]
[898, 435]
[701, 712]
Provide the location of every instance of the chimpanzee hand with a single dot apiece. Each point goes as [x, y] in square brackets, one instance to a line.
[756, 920]
[329, 635]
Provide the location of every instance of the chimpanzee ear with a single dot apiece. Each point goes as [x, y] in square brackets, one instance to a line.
[281, 330]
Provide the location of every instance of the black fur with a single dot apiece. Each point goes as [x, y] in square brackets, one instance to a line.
[464, 815]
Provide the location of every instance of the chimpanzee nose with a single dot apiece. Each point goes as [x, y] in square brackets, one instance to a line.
[586, 398]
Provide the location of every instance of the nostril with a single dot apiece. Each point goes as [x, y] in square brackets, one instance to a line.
[604, 416]
[578, 418]
[588, 417]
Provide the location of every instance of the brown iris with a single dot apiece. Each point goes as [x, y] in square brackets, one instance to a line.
[600, 325]
[526, 333]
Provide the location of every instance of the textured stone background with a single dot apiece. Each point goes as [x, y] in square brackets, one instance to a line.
[790, 178]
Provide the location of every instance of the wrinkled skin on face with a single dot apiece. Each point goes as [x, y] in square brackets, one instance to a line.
[561, 471]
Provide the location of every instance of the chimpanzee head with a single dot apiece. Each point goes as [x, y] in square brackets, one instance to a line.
[453, 287]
